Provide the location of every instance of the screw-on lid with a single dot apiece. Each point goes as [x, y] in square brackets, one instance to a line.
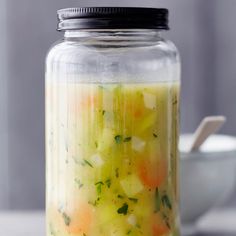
[112, 18]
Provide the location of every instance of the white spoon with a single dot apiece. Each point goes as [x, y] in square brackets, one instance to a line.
[208, 126]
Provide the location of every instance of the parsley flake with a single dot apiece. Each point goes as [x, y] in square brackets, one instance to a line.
[108, 183]
[99, 187]
[127, 139]
[66, 219]
[118, 139]
[80, 185]
[166, 201]
[157, 200]
[155, 135]
[117, 173]
[88, 163]
[135, 200]
[52, 231]
[123, 210]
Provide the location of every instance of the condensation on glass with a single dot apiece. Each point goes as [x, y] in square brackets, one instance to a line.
[112, 125]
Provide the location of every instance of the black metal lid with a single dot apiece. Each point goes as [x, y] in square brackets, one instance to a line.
[112, 18]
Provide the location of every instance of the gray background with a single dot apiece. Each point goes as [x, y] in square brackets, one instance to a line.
[204, 31]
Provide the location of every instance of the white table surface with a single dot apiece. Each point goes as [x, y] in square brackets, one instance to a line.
[22, 224]
[216, 223]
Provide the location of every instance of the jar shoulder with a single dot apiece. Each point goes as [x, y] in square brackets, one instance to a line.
[96, 62]
[74, 51]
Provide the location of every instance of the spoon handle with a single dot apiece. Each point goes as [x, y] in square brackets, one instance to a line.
[207, 127]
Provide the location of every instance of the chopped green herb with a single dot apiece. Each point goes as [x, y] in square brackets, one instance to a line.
[166, 219]
[138, 226]
[67, 148]
[117, 173]
[95, 202]
[120, 196]
[166, 201]
[88, 163]
[77, 161]
[175, 102]
[99, 187]
[108, 183]
[92, 203]
[128, 232]
[168, 224]
[135, 200]
[118, 139]
[66, 219]
[52, 231]
[80, 185]
[123, 210]
[96, 144]
[60, 209]
[157, 200]
[103, 112]
[127, 139]
[155, 135]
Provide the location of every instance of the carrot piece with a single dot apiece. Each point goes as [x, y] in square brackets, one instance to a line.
[78, 102]
[152, 174]
[159, 226]
[134, 109]
[80, 220]
[138, 113]
[77, 221]
[90, 101]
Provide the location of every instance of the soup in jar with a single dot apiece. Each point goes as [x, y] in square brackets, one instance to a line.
[112, 159]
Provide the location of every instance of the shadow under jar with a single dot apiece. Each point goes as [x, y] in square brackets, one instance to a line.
[112, 101]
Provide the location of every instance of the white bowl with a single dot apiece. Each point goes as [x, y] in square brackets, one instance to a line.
[207, 177]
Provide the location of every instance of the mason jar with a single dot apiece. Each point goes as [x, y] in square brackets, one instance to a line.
[112, 124]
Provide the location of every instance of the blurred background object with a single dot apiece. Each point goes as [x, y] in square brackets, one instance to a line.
[207, 175]
[204, 32]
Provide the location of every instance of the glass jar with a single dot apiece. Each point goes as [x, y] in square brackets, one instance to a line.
[112, 101]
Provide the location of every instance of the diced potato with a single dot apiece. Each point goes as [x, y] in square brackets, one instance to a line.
[131, 185]
[132, 220]
[97, 160]
[138, 144]
[150, 100]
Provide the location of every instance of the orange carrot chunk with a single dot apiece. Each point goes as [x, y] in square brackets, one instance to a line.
[159, 226]
[80, 220]
[152, 174]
